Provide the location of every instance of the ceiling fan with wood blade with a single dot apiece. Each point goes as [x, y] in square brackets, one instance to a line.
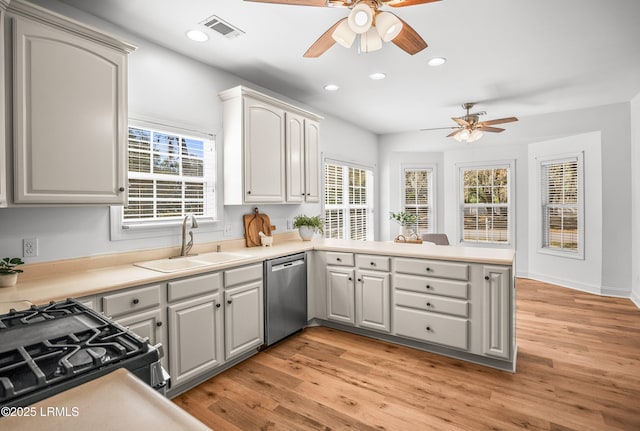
[469, 127]
[367, 21]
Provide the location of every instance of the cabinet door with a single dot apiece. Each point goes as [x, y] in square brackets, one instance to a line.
[312, 160]
[264, 162]
[244, 319]
[70, 101]
[295, 152]
[372, 300]
[496, 321]
[148, 324]
[195, 337]
[341, 295]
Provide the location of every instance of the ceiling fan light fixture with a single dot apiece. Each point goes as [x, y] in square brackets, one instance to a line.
[370, 41]
[388, 26]
[344, 35]
[360, 18]
[475, 135]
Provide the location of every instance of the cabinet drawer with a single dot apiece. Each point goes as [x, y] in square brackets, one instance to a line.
[193, 286]
[432, 268]
[433, 286]
[432, 303]
[335, 258]
[376, 263]
[245, 274]
[431, 327]
[132, 300]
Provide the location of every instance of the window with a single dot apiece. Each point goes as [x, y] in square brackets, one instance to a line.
[486, 204]
[170, 175]
[418, 197]
[562, 205]
[348, 202]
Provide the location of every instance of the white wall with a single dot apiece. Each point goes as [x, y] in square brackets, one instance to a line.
[635, 197]
[613, 123]
[585, 273]
[167, 87]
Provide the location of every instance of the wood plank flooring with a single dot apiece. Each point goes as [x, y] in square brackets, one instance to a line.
[578, 369]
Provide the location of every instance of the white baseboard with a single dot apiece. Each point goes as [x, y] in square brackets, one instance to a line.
[589, 288]
[635, 298]
[596, 290]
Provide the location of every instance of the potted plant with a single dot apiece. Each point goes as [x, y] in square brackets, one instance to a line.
[9, 272]
[307, 226]
[407, 221]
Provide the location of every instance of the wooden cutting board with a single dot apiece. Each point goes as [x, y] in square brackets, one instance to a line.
[254, 223]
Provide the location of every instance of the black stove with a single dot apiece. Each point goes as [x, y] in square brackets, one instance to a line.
[47, 349]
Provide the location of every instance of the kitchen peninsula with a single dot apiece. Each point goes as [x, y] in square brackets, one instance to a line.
[455, 301]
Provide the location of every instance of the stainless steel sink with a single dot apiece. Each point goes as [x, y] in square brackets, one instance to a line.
[190, 262]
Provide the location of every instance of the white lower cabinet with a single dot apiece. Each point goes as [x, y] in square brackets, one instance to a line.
[372, 300]
[195, 334]
[431, 327]
[243, 319]
[496, 305]
[341, 295]
[244, 313]
[139, 309]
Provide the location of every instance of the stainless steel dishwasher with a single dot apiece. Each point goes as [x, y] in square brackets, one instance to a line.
[285, 296]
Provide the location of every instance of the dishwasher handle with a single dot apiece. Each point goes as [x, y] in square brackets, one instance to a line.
[287, 265]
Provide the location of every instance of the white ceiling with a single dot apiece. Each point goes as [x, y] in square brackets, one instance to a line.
[513, 57]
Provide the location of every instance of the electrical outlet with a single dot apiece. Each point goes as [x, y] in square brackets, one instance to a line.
[227, 230]
[29, 247]
[289, 224]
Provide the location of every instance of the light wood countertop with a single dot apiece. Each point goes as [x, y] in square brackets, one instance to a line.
[116, 401]
[56, 281]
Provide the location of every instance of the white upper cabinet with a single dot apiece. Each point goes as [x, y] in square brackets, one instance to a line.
[263, 152]
[69, 110]
[270, 150]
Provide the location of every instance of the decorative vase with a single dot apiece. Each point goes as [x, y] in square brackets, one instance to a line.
[409, 233]
[8, 280]
[306, 232]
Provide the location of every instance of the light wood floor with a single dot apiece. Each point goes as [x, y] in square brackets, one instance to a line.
[578, 369]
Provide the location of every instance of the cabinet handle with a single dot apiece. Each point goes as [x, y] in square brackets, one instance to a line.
[217, 305]
[135, 301]
[428, 304]
[158, 324]
[373, 264]
[350, 278]
[486, 277]
[359, 280]
[338, 259]
[308, 194]
[428, 328]
[428, 286]
[248, 192]
[302, 194]
[428, 269]
[229, 301]
[121, 189]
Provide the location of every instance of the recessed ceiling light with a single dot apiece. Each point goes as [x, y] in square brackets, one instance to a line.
[331, 87]
[197, 36]
[377, 76]
[437, 61]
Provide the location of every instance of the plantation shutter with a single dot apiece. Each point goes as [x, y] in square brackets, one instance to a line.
[561, 206]
[418, 197]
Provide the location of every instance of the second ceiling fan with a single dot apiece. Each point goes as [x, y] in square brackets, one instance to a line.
[469, 127]
[366, 20]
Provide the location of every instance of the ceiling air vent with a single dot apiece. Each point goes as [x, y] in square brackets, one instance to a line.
[221, 26]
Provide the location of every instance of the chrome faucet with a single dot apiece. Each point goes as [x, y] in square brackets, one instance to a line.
[186, 246]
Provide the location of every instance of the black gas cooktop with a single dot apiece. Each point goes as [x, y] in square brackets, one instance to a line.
[50, 348]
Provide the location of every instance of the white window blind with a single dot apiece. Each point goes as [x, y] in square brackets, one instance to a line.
[486, 210]
[418, 197]
[562, 211]
[170, 175]
[348, 202]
